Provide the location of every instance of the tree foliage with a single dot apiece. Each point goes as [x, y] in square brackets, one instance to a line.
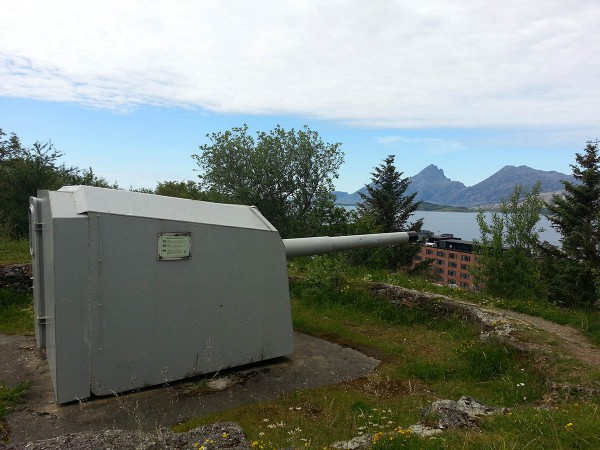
[386, 208]
[24, 170]
[287, 175]
[182, 189]
[572, 272]
[508, 244]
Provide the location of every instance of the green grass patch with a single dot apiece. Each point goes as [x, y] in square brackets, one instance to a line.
[320, 268]
[423, 358]
[16, 312]
[14, 252]
[572, 426]
[10, 396]
[315, 418]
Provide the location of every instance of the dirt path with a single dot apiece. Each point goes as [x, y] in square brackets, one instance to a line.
[570, 341]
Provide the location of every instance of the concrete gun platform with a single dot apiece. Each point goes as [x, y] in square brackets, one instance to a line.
[314, 363]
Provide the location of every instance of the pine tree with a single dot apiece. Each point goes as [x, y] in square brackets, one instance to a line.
[387, 208]
[572, 273]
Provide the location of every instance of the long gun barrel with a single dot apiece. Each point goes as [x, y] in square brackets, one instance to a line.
[325, 244]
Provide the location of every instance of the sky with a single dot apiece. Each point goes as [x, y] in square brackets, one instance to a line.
[132, 88]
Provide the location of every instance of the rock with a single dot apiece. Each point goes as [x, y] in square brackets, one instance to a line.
[359, 442]
[17, 277]
[492, 324]
[424, 430]
[227, 435]
[222, 383]
[464, 413]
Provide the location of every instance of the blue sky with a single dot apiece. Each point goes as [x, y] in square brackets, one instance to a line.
[132, 88]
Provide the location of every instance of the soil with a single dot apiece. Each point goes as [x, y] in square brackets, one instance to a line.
[570, 342]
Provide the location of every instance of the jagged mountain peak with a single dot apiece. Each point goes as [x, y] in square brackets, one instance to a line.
[432, 172]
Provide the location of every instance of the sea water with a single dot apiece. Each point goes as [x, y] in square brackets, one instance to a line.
[464, 225]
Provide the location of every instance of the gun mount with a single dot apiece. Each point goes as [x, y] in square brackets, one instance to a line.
[132, 290]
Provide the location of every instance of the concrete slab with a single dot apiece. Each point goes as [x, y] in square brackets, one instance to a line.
[314, 363]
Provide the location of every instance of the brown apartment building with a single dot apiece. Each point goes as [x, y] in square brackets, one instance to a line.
[451, 259]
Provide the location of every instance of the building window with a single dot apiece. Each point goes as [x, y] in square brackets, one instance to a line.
[464, 267]
[440, 262]
[452, 256]
[464, 276]
[464, 284]
[452, 264]
[439, 253]
[450, 281]
[429, 252]
[440, 270]
[465, 258]
[451, 273]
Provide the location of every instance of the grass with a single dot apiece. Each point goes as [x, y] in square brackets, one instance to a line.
[585, 320]
[8, 398]
[423, 358]
[16, 312]
[572, 426]
[14, 252]
[16, 308]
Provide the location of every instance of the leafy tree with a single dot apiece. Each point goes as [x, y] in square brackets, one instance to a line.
[287, 175]
[25, 170]
[182, 189]
[508, 244]
[572, 273]
[386, 208]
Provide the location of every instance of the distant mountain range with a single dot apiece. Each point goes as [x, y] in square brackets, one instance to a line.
[433, 186]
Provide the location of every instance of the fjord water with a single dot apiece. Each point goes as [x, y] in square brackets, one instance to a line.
[464, 225]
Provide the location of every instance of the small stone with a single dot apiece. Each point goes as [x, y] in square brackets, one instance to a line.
[359, 442]
[424, 430]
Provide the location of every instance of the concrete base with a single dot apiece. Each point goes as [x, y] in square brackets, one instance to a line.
[314, 363]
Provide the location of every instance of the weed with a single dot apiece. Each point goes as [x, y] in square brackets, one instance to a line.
[8, 398]
[11, 396]
[14, 252]
[16, 312]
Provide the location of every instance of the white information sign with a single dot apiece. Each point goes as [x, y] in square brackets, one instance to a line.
[174, 246]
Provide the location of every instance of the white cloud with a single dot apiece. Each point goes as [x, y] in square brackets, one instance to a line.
[380, 63]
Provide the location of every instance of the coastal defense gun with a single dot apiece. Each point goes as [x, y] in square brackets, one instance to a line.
[325, 244]
[133, 290]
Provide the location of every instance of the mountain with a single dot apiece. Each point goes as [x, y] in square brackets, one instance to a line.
[501, 184]
[433, 186]
[343, 198]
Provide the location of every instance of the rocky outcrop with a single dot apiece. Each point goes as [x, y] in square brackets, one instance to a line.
[450, 414]
[440, 415]
[17, 277]
[227, 435]
[492, 323]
